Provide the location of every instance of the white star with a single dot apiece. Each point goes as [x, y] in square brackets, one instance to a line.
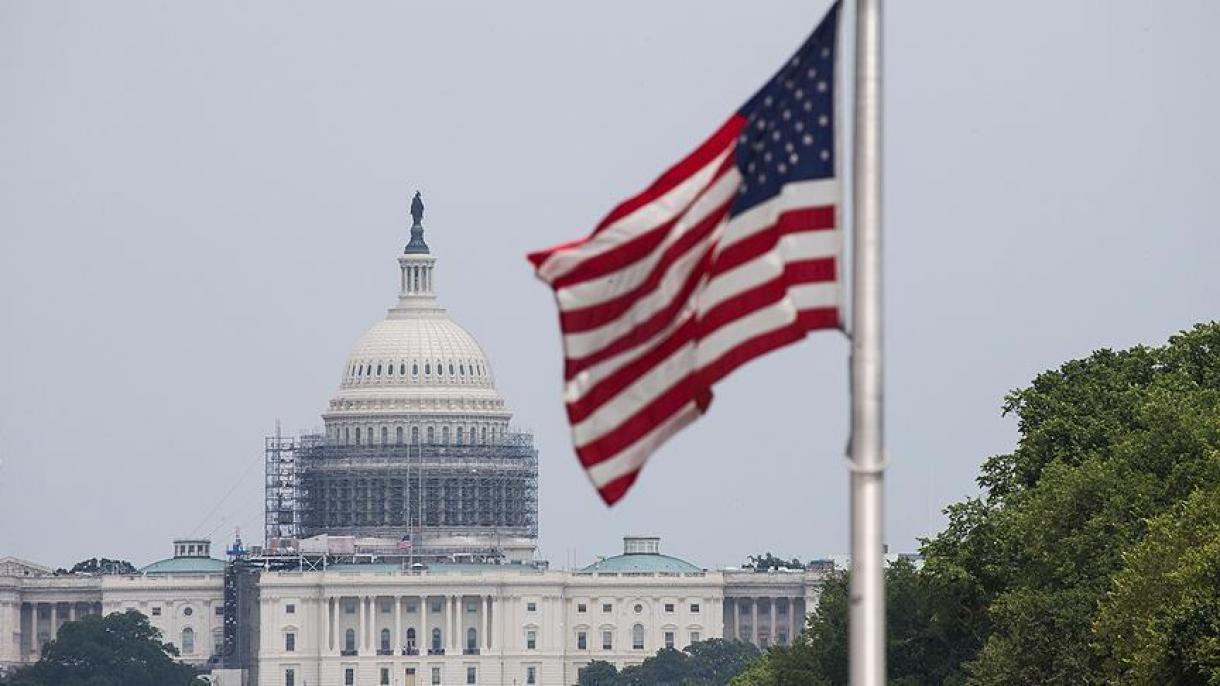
[821, 86]
[825, 154]
[807, 139]
[796, 60]
[743, 188]
[789, 147]
[823, 120]
[808, 105]
[775, 136]
[825, 52]
[767, 101]
[799, 94]
[787, 115]
[812, 72]
[799, 125]
[783, 168]
[788, 84]
[793, 158]
[767, 156]
[750, 167]
[762, 178]
[761, 125]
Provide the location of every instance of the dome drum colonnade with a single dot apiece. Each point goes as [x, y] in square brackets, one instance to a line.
[417, 440]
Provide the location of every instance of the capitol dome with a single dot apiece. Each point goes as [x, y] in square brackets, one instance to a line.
[416, 375]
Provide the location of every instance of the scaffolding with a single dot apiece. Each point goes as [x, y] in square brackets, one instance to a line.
[488, 490]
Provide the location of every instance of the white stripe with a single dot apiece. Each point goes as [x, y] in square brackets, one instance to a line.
[817, 193]
[774, 316]
[769, 265]
[633, 457]
[816, 296]
[643, 390]
[649, 216]
[615, 284]
[585, 343]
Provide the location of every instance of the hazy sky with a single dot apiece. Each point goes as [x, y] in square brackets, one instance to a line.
[201, 204]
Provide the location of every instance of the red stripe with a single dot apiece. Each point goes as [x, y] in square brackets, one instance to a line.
[671, 400]
[645, 330]
[609, 387]
[792, 221]
[615, 490]
[594, 316]
[704, 154]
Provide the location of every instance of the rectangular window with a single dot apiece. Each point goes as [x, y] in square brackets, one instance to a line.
[531, 675]
[220, 610]
[607, 608]
[436, 676]
[387, 607]
[531, 607]
[607, 640]
[669, 639]
[694, 637]
[385, 676]
[669, 608]
[349, 677]
[290, 677]
[349, 608]
[581, 608]
[694, 608]
[436, 606]
[471, 676]
[582, 640]
[156, 612]
[290, 608]
[472, 608]
[531, 640]
[290, 642]
[411, 607]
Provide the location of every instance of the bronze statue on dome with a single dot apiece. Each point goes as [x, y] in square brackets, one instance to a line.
[417, 209]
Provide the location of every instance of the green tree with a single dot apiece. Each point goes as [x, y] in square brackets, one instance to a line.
[767, 561]
[1107, 444]
[120, 649]
[100, 566]
[716, 661]
[598, 673]
[668, 667]
[1161, 618]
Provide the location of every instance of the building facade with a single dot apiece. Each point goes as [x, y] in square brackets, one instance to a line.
[400, 547]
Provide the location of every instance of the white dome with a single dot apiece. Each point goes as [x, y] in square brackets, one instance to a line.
[416, 368]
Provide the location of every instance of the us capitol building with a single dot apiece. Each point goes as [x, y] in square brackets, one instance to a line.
[400, 543]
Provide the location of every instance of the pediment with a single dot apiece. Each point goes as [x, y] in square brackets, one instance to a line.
[12, 566]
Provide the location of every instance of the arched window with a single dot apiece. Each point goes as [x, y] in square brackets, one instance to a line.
[385, 640]
[445, 435]
[450, 369]
[461, 435]
[483, 435]
[472, 640]
[218, 641]
[436, 641]
[359, 369]
[637, 637]
[390, 369]
[415, 435]
[188, 641]
[462, 369]
[357, 435]
[440, 368]
[347, 435]
[472, 435]
[385, 436]
[349, 640]
[368, 369]
[410, 639]
[414, 369]
[378, 370]
[402, 369]
[398, 435]
[431, 436]
[427, 368]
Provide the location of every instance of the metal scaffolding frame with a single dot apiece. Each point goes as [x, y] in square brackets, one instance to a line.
[314, 486]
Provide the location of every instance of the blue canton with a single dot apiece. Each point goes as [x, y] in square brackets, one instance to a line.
[789, 132]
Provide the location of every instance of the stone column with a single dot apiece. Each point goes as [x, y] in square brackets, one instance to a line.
[487, 622]
[772, 638]
[754, 621]
[54, 620]
[455, 621]
[360, 645]
[398, 640]
[737, 619]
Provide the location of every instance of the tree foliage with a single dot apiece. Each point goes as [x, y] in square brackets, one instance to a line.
[704, 663]
[768, 561]
[120, 649]
[1091, 556]
[99, 566]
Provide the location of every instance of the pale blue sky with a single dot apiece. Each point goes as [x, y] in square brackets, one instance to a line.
[200, 206]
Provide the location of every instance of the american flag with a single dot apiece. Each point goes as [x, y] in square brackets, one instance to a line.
[731, 253]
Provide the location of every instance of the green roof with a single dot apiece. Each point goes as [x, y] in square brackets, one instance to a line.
[185, 565]
[642, 562]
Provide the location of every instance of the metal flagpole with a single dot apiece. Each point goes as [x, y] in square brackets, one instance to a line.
[867, 621]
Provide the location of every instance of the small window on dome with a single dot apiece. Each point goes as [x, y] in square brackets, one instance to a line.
[451, 368]
[359, 369]
[427, 368]
[368, 369]
[390, 370]
[402, 369]
[378, 370]
[462, 369]
[414, 369]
